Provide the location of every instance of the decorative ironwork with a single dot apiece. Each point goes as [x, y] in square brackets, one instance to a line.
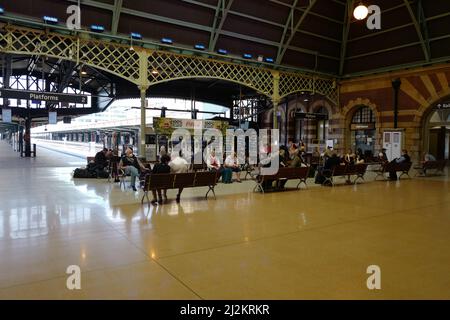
[149, 67]
[164, 66]
[293, 82]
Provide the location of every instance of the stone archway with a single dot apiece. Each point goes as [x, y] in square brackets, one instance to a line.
[422, 121]
[346, 118]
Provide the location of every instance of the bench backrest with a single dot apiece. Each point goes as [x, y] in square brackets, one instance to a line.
[404, 166]
[358, 169]
[198, 167]
[160, 181]
[293, 173]
[439, 164]
[361, 168]
[184, 180]
[340, 170]
[206, 178]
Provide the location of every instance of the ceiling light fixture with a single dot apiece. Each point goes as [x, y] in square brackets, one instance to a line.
[360, 12]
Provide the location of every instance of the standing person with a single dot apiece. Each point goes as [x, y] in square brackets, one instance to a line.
[232, 163]
[132, 166]
[179, 165]
[161, 167]
[114, 163]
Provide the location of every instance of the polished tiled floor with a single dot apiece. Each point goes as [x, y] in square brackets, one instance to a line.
[307, 244]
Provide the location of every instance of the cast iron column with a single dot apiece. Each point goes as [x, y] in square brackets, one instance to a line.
[396, 86]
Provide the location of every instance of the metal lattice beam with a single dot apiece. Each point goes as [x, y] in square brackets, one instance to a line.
[425, 49]
[345, 31]
[294, 31]
[216, 32]
[289, 21]
[116, 16]
[146, 67]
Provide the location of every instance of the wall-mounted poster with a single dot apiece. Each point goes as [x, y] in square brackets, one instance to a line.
[6, 115]
[52, 117]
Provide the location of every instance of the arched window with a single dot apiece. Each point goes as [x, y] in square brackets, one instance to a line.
[363, 115]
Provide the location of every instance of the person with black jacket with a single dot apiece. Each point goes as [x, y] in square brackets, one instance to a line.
[100, 162]
[132, 166]
[161, 167]
[403, 159]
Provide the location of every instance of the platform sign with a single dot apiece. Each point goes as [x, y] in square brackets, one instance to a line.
[36, 96]
[52, 117]
[6, 115]
[311, 116]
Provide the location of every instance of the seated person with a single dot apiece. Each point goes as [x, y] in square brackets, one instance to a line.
[403, 159]
[213, 164]
[428, 157]
[131, 165]
[350, 157]
[100, 161]
[232, 163]
[161, 167]
[179, 165]
[382, 157]
[360, 159]
[296, 162]
[292, 149]
[330, 163]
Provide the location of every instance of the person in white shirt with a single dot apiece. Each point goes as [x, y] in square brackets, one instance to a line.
[213, 163]
[232, 163]
[179, 165]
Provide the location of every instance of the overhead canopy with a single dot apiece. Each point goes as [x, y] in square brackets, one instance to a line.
[310, 34]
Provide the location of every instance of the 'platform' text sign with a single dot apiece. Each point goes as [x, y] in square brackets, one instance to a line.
[43, 96]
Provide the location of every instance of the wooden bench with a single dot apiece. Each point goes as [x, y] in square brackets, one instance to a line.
[358, 170]
[283, 173]
[438, 166]
[198, 167]
[180, 180]
[403, 167]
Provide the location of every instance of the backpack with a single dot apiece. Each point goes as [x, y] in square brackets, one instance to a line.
[103, 174]
[83, 173]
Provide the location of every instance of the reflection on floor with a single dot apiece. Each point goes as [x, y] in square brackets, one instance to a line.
[306, 244]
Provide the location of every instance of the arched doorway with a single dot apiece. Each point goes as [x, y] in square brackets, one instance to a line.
[363, 130]
[437, 131]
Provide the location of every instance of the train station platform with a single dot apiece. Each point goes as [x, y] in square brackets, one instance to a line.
[313, 243]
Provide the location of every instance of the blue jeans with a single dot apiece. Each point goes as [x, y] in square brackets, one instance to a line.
[133, 172]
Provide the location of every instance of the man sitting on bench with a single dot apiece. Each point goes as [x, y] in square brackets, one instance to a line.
[132, 166]
[403, 159]
[178, 165]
